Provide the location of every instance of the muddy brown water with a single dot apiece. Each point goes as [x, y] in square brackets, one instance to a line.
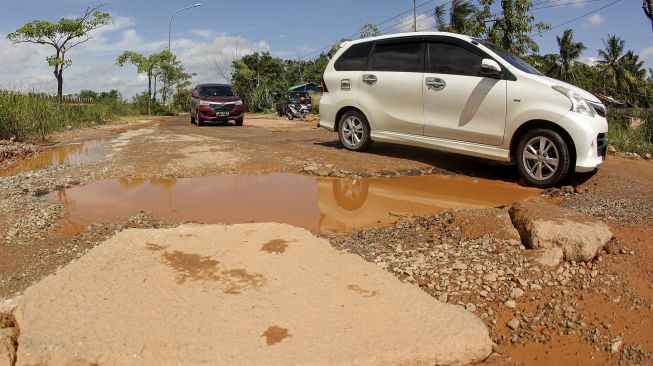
[71, 154]
[318, 204]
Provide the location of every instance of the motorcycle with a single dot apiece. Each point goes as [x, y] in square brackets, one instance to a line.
[297, 111]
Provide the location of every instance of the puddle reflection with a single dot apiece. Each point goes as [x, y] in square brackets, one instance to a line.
[72, 154]
[330, 204]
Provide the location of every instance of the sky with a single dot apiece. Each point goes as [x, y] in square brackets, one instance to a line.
[213, 34]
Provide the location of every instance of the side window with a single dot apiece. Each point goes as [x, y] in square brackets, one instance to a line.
[399, 57]
[446, 58]
[355, 58]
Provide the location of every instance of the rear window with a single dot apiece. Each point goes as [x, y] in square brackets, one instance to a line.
[355, 58]
[216, 91]
[398, 57]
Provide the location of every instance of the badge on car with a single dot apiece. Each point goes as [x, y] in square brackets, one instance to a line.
[222, 114]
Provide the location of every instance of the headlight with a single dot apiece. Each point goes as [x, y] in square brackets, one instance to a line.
[238, 102]
[205, 102]
[578, 104]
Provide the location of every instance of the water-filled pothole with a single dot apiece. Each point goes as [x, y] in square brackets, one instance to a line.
[71, 154]
[330, 204]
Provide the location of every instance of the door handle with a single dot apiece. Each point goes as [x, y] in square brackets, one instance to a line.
[369, 79]
[435, 83]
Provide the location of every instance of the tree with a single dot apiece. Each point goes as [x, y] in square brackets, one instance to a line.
[336, 47]
[150, 66]
[369, 30]
[512, 30]
[62, 36]
[88, 94]
[464, 18]
[569, 52]
[172, 73]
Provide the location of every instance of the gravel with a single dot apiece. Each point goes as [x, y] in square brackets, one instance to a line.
[493, 278]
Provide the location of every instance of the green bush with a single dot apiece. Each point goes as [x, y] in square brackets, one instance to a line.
[35, 116]
[627, 139]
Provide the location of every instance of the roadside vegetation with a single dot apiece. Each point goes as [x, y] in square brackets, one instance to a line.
[33, 116]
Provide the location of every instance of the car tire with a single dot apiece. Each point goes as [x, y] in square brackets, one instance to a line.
[543, 158]
[290, 117]
[354, 131]
[239, 122]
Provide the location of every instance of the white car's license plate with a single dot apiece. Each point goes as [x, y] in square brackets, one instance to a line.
[222, 114]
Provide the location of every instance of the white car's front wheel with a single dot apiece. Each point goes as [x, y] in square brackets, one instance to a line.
[354, 131]
[543, 158]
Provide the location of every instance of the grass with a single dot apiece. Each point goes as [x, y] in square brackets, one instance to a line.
[33, 117]
[627, 139]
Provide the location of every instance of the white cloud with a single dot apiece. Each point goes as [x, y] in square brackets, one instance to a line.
[202, 33]
[424, 23]
[24, 66]
[204, 57]
[594, 20]
[646, 53]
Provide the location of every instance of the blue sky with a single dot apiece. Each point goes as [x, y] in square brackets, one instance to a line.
[220, 30]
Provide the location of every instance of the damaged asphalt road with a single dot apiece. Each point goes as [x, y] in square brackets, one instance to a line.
[596, 312]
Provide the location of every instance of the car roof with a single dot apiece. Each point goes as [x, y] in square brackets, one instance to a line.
[408, 34]
[215, 84]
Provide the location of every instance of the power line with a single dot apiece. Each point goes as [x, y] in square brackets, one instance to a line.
[583, 16]
[555, 5]
[376, 25]
[382, 22]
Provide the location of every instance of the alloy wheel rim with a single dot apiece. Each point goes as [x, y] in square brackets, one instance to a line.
[541, 158]
[352, 131]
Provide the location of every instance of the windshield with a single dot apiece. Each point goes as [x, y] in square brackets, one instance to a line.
[216, 91]
[510, 58]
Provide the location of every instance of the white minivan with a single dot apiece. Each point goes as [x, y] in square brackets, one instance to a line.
[459, 94]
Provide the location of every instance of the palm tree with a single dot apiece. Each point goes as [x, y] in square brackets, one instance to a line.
[621, 71]
[570, 51]
[460, 17]
[611, 64]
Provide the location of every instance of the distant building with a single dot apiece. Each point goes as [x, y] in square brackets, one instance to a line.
[310, 87]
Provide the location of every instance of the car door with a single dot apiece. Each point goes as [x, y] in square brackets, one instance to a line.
[459, 102]
[390, 92]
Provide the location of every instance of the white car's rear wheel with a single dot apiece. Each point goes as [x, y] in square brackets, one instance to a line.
[354, 131]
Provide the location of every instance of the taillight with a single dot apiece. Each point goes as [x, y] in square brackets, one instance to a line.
[324, 87]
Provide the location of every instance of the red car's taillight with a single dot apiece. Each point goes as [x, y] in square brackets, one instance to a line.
[324, 87]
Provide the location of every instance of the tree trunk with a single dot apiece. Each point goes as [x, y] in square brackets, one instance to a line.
[149, 93]
[154, 94]
[60, 86]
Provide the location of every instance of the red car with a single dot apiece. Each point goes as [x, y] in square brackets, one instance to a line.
[216, 103]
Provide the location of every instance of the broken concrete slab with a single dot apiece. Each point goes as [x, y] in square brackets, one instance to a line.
[8, 338]
[550, 257]
[543, 226]
[477, 223]
[240, 295]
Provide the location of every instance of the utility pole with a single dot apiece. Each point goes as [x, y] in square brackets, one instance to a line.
[415, 15]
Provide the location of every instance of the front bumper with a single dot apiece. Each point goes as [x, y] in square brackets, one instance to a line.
[211, 116]
[590, 141]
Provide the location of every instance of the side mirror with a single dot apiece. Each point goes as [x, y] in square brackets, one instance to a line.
[490, 68]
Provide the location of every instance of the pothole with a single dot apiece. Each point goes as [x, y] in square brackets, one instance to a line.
[317, 204]
[71, 154]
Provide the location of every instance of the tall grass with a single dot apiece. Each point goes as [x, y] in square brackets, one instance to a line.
[32, 116]
[628, 139]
